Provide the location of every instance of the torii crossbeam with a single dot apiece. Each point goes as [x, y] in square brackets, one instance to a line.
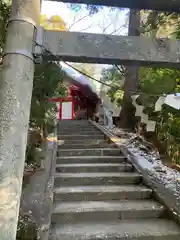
[159, 5]
[101, 48]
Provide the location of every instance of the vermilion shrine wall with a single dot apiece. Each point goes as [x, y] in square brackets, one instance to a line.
[67, 106]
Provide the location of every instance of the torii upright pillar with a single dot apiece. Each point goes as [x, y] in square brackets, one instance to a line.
[15, 100]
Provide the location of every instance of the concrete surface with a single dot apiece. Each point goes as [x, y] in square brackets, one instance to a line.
[101, 192]
[37, 197]
[145, 229]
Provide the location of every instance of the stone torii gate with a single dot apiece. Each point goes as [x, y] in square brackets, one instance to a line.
[18, 71]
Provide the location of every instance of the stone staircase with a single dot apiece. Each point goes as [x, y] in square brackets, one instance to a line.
[98, 195]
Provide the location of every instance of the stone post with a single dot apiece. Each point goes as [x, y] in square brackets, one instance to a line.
[15, 99]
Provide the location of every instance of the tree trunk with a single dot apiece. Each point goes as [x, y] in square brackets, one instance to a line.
[127, 115]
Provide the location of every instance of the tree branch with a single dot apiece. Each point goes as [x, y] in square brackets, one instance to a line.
[78, 21]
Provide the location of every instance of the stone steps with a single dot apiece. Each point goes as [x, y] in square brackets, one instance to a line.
[90, 211]
[78, 130]
[112, 178]
[80, 136]
[91, 159]
[76, 127]
[89, 152]
[101, 192]
[96, 167]
[98, 195]
[73, 141]
[131, 229]
[70, 132]
[85, 145]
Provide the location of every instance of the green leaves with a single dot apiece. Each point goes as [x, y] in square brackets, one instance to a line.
[114, 77]
[47, 84]
[4, 16]
[158, 81]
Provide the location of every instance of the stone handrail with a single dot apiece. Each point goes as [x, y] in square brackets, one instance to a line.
[164, 181]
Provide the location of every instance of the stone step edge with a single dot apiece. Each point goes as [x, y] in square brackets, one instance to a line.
[101, 188]
[89, 149]
[76, 165]
[107, 206]
[97, 175]
[126, 229]
[88, 141]
[82, 135]
[90, 157]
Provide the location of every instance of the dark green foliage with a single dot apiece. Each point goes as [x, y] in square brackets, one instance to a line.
[4, 16]
[155, 82]
[92, 9]
[47, 84]
[114, 77]
[159, 81]
[27, 229]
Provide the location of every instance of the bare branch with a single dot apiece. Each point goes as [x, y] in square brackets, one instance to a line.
[77, 21]
[116, 30]
[104, 30]
[86, 28]
[121, 69]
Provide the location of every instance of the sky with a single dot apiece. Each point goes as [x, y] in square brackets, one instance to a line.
[115, 21]
[105, 21]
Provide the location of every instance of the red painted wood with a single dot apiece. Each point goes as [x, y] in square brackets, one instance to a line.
[74, 92]
[60, 110]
